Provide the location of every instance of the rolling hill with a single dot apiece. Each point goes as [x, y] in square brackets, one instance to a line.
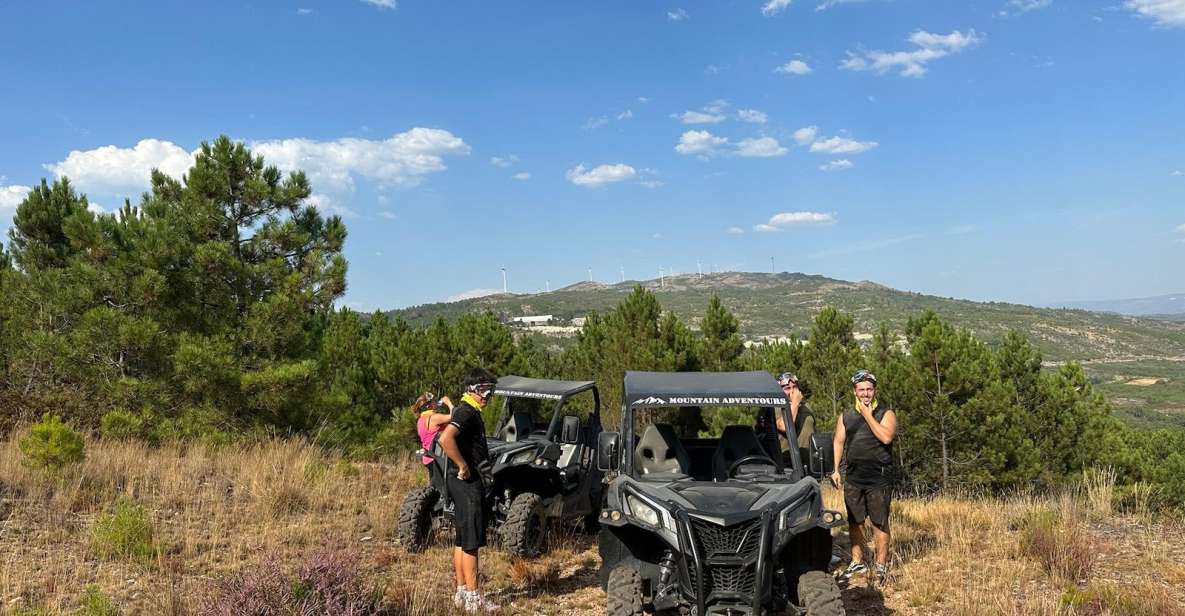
[1138, 362]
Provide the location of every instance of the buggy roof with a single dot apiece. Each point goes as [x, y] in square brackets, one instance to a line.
[547, 389]
[755, 388]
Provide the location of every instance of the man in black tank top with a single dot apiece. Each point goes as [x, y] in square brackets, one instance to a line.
[867, 431]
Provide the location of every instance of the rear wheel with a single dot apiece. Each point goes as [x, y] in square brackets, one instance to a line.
[415, 519]
[624, 593]
[819, 595]
[522, 532]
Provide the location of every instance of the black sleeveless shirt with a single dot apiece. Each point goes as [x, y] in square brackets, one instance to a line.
[870, 462]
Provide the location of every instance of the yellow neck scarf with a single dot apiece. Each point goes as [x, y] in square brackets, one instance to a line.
[473, 401]
[873, 405]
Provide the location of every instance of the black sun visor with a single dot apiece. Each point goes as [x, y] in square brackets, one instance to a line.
[543, 389]
[755, 388]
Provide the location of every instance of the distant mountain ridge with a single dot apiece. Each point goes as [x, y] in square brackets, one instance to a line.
[1159, 306]
[773, 305]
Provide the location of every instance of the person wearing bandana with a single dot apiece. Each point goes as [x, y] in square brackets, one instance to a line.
[464, 442]
[867, 431]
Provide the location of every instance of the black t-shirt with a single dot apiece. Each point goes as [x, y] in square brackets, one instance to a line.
[870, 462]
[471, 438]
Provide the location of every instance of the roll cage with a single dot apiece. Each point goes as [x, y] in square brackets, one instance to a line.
[547, 390]
[756, 388]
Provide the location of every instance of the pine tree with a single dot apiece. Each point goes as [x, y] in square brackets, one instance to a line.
[829, 358]
[38, 234]
[722, 345]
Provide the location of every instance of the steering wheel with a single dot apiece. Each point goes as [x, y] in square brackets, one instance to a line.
[749, 459]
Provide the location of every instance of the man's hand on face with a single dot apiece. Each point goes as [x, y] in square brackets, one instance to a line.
[863, 406]
[795, 396]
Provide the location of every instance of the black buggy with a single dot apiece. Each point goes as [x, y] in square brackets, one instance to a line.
[542, 467]
[719, 521]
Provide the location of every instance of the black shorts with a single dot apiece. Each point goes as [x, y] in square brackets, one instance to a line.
[864, 502]
[469, 514]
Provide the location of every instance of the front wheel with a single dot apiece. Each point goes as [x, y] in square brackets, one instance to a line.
[522, 532]
[624, 592]
[415, 518]
[819, 595]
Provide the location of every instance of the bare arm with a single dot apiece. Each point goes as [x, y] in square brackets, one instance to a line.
[447, 402]
[437, 420]
[885, 429]
[448, 442]
[838, 440]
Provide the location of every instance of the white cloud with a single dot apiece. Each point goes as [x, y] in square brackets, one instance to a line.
[110, 169]
[677, 15]
[329, 205]
[382, 4]
[786, 219]
[913, 63]
[837, 165]
[595, 123]
[601, 175]
[503, 161]
[716, 106]
[1167, 13]
[652, 183]
[522, 176]
[842, 145]
[794, 67]
[699, 142]
[472, 294]
[387, 215]
[775, 6]
[625, 115]
[1178, 173]
[760, 147]
[1181, 229]
[1020, 7]
[752, 115]
[735, 231]
[304, 11]
[806, 134]
[643, 100]
[402, 160]
[10, 197]
[780, 221]
[826, 4]
[711, 69]
[699, 117]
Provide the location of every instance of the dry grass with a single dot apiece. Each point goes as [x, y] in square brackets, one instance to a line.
[215, 512]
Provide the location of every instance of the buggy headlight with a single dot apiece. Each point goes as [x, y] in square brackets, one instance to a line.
[519, 457]
[649, 512]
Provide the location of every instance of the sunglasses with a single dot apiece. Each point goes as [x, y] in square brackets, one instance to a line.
[863, 375]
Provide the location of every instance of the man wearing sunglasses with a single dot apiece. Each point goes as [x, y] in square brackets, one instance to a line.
[800, 415]
[867, 431]
[464, 442]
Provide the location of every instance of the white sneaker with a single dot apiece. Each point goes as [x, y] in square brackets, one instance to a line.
[477, 602]
[460, 597]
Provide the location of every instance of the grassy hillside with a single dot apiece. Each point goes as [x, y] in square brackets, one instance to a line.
[1139, 362]
[784, 304]
[220, 529]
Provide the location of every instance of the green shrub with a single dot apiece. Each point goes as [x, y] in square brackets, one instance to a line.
[345, 468]
[52, 445]
[121, 425]
[124, 531]
[95, 603]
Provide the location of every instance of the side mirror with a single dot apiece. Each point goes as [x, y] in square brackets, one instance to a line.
[608, 451]
[570, 430]
[822, 458]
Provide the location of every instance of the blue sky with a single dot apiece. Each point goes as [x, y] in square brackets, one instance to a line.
[1019, 150]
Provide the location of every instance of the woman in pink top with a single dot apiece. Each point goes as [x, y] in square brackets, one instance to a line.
[430, 420]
